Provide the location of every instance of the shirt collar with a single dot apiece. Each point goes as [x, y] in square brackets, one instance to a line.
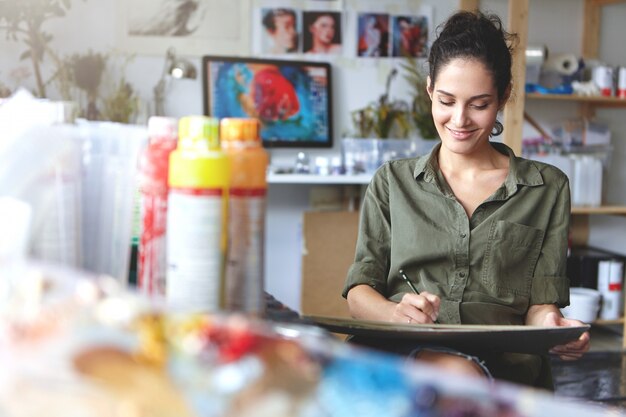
[521, 171]
[427, 165]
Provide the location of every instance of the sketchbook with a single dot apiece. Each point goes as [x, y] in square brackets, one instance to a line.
[499, 338]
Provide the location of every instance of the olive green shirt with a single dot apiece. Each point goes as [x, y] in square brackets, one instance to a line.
[487, 269]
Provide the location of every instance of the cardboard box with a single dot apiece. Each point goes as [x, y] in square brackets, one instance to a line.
[328, 252]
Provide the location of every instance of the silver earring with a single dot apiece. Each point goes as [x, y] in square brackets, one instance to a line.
[497, 128]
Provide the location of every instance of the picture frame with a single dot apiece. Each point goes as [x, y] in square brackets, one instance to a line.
[291, 98]
[150, 27]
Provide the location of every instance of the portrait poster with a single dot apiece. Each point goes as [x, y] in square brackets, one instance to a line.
[322, 32]
[191, 27]
[373, 35]
[409, 36]
[291, 36]
[280, 29]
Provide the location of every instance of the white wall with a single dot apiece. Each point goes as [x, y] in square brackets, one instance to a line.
[93, 24]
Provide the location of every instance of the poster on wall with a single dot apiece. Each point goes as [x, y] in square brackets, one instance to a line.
[374, 29]
[280, 32]
[297, 27]
[192, 27]
[373, 35]
[322, 32]
[409, 36]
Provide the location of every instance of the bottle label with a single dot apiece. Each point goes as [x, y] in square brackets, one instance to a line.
[195, 258]
[245, 268]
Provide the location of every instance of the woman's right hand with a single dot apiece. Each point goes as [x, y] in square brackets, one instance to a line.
[422, 308]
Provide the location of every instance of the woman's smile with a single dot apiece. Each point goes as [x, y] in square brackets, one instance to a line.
[460, 134]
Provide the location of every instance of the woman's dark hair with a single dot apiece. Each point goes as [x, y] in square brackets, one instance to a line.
[268, 20]
[474, 35]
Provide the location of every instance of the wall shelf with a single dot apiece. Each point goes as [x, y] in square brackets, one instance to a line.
[360, 179]
[602, 322]
[600, 210]
[599, 101]
[364, 179]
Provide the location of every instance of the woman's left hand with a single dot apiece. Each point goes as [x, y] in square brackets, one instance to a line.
[572, 350]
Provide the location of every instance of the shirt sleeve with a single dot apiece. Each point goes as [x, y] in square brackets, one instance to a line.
[550, 284]
[371, 260]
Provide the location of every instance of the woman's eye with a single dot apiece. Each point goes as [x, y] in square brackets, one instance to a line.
[480, 106]
[446, 103]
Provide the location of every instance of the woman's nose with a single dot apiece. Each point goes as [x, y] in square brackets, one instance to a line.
[459, 117]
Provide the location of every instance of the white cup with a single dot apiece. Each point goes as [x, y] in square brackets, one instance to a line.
[584, 304]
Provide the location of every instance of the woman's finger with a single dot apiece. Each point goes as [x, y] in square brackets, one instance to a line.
[422, 303]
[418, 317]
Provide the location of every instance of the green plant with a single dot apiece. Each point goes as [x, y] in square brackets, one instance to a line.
[121, 105]
[420, 113]
[384, 118]
[22, 20]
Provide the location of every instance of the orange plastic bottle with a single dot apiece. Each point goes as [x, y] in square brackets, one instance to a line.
[245, 281]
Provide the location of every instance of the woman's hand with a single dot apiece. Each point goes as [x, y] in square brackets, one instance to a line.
[570, 351]
[420, 308]
[550, 315]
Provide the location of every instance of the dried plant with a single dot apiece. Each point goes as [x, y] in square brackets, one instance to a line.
[86, 72]
[383, 119]
[122, 104]
[4, 90]
[421, 104]
[23, 21]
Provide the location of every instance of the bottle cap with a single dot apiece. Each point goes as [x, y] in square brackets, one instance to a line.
[198, 129]
[240, 129]
[163, 127]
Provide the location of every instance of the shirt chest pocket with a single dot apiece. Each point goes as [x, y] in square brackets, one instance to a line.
[510, 258]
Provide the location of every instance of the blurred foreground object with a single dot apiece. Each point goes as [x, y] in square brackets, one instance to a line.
[87, 346]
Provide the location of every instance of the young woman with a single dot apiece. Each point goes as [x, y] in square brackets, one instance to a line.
[481, 233]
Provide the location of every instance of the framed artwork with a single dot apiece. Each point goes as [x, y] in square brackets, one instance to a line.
[192, 27]
[410, 36]
[279, 30]
[373, 35]
[292, 99]
[321, 33]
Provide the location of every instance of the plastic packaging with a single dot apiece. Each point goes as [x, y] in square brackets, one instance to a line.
[197, 217]
[110, 167]
[248, 190]
[154, 166]
[610, 275]
[40, 164]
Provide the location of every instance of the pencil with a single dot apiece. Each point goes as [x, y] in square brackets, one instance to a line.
[406, 279]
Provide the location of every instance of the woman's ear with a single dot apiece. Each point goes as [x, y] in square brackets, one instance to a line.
[429, 88]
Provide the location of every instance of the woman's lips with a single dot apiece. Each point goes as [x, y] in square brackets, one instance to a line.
[460, 134]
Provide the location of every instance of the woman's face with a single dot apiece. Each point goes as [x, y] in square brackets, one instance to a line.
[323, 29]
[285, 33]
[465, 105]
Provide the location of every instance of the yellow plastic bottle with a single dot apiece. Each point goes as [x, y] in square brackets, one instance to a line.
[248, 189]
[197, 217]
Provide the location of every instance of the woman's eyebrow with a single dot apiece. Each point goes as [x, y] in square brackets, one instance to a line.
[479, 96]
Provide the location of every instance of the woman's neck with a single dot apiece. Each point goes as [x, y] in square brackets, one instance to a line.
[485, 158]
[320, 47]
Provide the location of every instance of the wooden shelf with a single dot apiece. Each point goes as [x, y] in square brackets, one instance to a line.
[600, 101]
[601, 322]
[362, 179]
[600, 210]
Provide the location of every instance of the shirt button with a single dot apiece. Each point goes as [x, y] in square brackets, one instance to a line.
[463, 235]
[462, 274]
